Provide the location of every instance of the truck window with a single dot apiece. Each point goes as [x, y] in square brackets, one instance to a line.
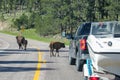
[85, 30]
[117, 31]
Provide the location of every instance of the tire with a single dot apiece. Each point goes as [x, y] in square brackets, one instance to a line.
[79, 64]
[72, 60]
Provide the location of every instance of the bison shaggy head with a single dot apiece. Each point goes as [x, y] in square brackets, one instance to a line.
[63, 45]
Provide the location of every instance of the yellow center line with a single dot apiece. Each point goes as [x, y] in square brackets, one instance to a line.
[37, 72]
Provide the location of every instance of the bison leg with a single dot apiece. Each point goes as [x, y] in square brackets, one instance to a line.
[20, 45]
[25, 44]
[57, 52]
[25, 47]
[51, 52]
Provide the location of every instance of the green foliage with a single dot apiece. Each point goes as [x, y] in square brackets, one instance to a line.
[2, 18]
[31, 21]
[52, 16]
[22, 21]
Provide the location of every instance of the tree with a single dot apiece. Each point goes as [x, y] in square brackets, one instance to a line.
[47, 15]
[22, 21]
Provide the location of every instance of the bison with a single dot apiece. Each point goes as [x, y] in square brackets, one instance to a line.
[21, 42]
[57, 46]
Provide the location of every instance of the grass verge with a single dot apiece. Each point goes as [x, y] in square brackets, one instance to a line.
[31, 34]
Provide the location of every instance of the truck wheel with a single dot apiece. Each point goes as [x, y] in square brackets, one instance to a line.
[71, 60]
[79, 64]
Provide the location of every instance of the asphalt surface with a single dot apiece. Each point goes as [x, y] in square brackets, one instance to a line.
[35, 63]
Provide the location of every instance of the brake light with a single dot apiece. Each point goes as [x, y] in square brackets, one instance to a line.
[83, 44]
[94, 78]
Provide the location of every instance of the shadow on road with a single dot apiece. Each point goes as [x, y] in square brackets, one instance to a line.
[28, 50]
[20, 69]
[23, 62]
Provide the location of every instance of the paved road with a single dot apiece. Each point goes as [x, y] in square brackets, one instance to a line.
[34, 63]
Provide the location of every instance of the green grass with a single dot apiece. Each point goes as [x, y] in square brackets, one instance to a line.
[31, 34]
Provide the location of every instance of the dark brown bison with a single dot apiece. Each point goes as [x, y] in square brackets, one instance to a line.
[57, 46]
[21, 42]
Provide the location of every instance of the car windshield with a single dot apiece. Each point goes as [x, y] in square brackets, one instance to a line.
[103, 28]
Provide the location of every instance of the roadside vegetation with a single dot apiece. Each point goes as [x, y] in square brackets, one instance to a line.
[31, 34]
